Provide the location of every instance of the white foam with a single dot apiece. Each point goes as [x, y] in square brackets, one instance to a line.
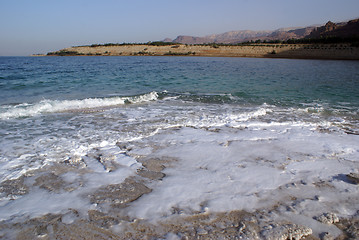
[228, 119]
[229, 157]
[51, 106]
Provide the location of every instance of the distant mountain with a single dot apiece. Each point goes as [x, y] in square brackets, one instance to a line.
[343, 29]
[227, 37]
[339, 30]
[191, 40]
[246, 35]
[283, 35]
[237, 36]
[167, 40]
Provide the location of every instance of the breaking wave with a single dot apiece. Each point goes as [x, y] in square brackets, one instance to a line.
[52, 106]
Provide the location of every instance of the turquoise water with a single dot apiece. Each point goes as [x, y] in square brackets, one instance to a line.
[273, 81]
[58, 89]
[294, 119]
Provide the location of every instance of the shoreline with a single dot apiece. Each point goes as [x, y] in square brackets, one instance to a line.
[290, 51]
[167, 148]
[111, 219]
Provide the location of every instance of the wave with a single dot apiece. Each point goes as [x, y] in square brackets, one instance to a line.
[210, 98]
[229, 119]
[53, 106]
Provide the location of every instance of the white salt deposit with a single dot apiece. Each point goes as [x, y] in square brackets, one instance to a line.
[39, 201]
[254, 168]
[228, 158]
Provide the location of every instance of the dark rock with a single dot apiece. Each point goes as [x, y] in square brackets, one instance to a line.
[353, 177]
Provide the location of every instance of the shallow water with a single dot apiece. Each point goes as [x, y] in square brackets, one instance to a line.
[242, 134]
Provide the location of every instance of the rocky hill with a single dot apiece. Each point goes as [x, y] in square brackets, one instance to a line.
[338, 30]
[227, 37]
[191, 40]
[289, 34]
[245, 35]
[344, 29]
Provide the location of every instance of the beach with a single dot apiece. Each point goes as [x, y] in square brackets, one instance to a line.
[163, 147]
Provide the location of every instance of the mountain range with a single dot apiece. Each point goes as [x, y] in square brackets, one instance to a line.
[330, 29]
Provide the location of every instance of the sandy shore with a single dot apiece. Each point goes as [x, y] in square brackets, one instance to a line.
[299, 51]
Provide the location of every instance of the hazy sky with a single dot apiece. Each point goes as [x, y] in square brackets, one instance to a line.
[40, 26]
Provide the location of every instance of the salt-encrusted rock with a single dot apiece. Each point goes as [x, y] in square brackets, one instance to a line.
[150, 174]
[51, 226]
[201, 231]
[119, 195]
[124, 147]
[76, 161]
[326, 236]
[50, 182]
[108, 162]
[13, 188]
[327, 218]
[285, 232]
[153, 164]
[102, 219]
[353, 177]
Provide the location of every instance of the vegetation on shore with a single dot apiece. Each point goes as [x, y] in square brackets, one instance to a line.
[353, 41]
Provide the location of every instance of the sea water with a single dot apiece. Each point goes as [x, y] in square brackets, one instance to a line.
[239, 130]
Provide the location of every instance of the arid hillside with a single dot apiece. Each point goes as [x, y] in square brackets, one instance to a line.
[304, 51]
[330, 29]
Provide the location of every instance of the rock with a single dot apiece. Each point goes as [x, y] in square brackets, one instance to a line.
[285, 232]
[353, 230]
[102, 219]
[326, 236]
[76, 161]
[201, 231]
[119, 195]
[80, 229]
[150, 174]
[353, 177]
[153, 164]
[108, 162]
[327, 218]
[13, 188]
[124, 146]
[50, 182]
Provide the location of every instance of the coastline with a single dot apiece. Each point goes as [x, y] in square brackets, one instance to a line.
[294, 51]
[165, 148]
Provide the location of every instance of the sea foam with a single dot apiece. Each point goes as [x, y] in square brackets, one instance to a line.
[53, 106]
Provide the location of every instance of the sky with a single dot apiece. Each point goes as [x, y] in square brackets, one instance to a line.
[40, 26]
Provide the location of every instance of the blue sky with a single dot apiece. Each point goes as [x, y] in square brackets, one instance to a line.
[40, 26]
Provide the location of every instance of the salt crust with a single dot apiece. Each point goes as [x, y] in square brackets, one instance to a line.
[293, 173]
